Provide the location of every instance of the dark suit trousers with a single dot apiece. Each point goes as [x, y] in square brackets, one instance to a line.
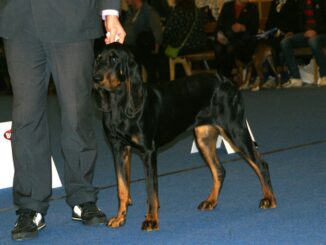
[30, 64]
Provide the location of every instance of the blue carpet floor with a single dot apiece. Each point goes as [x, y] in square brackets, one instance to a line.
[290, 129]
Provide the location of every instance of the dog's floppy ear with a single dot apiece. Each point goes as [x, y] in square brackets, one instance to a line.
[128, 67]
[102, 100]
[130, 78]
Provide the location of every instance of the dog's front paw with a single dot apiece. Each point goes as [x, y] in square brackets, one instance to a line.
[267, 203]
[207, 205]
[150, 225]
[116, 221]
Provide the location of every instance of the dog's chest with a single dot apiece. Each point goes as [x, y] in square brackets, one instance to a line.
[122, 128]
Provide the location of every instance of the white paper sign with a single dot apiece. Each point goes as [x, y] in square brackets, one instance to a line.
[6, 163]
[219, 141]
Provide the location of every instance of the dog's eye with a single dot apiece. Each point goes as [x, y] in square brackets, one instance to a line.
[98, 58]
[113, 59]
[97, 78]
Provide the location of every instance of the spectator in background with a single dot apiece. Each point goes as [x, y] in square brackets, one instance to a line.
[162, 7]
[283, 16]
[185, 28]
[280, 10]
[312, 33]
[213, 5]
[185, 18]
[237, 27]
[144, 35]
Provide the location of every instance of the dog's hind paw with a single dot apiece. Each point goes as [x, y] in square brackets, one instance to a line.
[129, 203]
[207, 205]
[116, 222]
[267, 203]
[150, 225]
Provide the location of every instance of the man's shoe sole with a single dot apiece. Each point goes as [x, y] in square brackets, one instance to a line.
[26, 235]
[93, 221]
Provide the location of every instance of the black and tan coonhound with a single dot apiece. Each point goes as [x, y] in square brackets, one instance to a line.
[144, 116]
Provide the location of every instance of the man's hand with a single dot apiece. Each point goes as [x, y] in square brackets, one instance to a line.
[237, 27]
[288, 34]
[310, 33]
[221, 38]
[114, 30]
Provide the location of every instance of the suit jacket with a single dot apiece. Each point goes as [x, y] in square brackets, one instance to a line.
[289, 12]
[248, 17]
[53, 20]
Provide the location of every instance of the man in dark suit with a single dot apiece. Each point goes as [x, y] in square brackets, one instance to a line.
[44, 37]
[236, 29]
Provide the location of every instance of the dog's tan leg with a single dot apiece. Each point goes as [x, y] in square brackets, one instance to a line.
[151, 221]
[122, 168]
[245, 147]
[262, 171]
[206, 137]
[127, 161]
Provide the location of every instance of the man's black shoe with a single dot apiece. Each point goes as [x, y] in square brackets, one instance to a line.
[89, 214]
[28, 224]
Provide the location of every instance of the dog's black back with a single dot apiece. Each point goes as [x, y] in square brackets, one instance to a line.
[196, 98]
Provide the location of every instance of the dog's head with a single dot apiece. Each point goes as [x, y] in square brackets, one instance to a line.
[114, 65]
[116, 77]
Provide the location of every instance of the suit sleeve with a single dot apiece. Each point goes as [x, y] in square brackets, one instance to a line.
[108, 4]
[253, 20]
[156, 27]
[223, 22]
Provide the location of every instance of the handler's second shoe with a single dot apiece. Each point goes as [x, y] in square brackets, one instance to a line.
[28, 224]
[321, 81]
[293, 83]
[89, 214]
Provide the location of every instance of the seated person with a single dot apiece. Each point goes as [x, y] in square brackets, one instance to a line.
[278, 12]
[185, 27]
[236, 29]
[162, 7]
[144, 34]
[312, 23]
